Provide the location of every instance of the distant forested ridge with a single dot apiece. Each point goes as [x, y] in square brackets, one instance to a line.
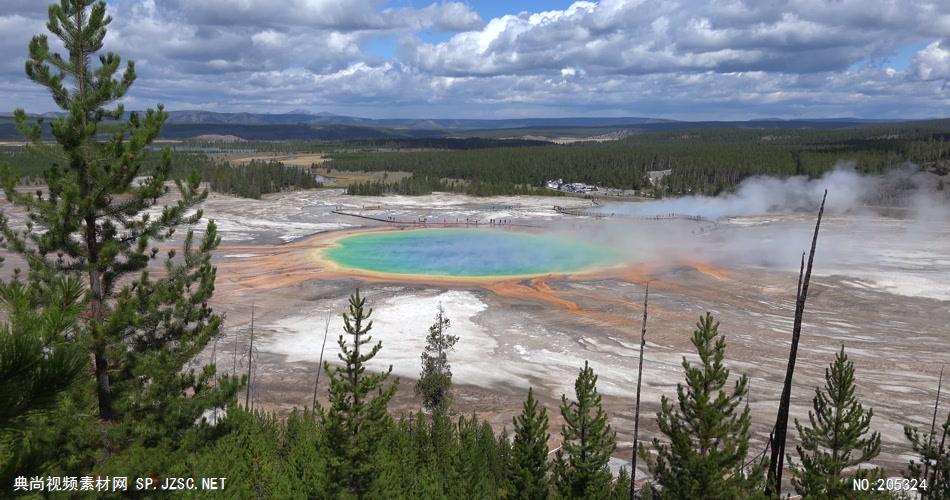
[249, 180]
[702, 161]
[418, 185]
[253, 126]
[285, 132]
[444, 143]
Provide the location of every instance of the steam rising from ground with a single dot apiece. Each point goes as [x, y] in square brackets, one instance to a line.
[768, 222]
[849, 191]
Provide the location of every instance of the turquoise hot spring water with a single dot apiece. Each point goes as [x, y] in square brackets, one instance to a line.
[471, 253]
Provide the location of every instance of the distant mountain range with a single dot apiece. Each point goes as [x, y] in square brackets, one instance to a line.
[300, 117]
[304, 125]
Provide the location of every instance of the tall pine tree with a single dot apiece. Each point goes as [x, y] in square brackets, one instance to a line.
[581, 464]
[95, 221]
[529, 452]
[435, 380]
[708, 432]
[838, 437]
[357, 419]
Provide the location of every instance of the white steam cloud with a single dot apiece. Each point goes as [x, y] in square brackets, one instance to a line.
[890, 231]
[849, 191]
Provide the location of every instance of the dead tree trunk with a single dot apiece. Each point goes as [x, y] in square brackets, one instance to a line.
[933, 425]
[316, 383]
[250, 358]
[777, 459]
[214, 360]
[234, 355]
[636, 414]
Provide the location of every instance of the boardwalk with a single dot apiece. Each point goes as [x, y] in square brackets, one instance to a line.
[707, 226]
[431, 221]
[435, 221]
[587, 212]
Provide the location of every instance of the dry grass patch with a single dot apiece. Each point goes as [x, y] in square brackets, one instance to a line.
[297, 160]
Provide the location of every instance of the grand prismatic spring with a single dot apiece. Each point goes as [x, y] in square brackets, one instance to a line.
[467, 253]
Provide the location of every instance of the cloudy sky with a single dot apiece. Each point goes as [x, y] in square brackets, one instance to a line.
[681, 59]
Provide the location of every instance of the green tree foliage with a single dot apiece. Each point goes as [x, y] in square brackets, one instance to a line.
[621, 487]
[481, 469]
[706, 161]
[315, 456]
[417, 457]
[529, 452]
[580, 465]
[250, 180]
[414, 185]
[435, 380]
[368, 188]
[92, 223]
[38, 355]
[934, 464]
[708, 432]
[253, 179]
[356, 421]
[837, 437]
[254, 455]
[344, 452]
[39, 361]
[304, 455]
[443, 458]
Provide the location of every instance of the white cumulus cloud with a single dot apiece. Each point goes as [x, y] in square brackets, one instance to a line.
[933, 61]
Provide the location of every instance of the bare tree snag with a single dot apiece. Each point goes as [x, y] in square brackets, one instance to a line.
[777, 459]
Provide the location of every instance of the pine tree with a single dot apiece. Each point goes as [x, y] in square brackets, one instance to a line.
[252, 456]
[441, 454]
[529, 451]
[94, 222]
[836, 438]
[504, 463]
[477, 459]
[435, 380]
[38, 355]
[580, 466]
[400, 473]
[708, 433]
[934, 465]
[302, 454]
[39, 363]
[621, 486]
[355, 423]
